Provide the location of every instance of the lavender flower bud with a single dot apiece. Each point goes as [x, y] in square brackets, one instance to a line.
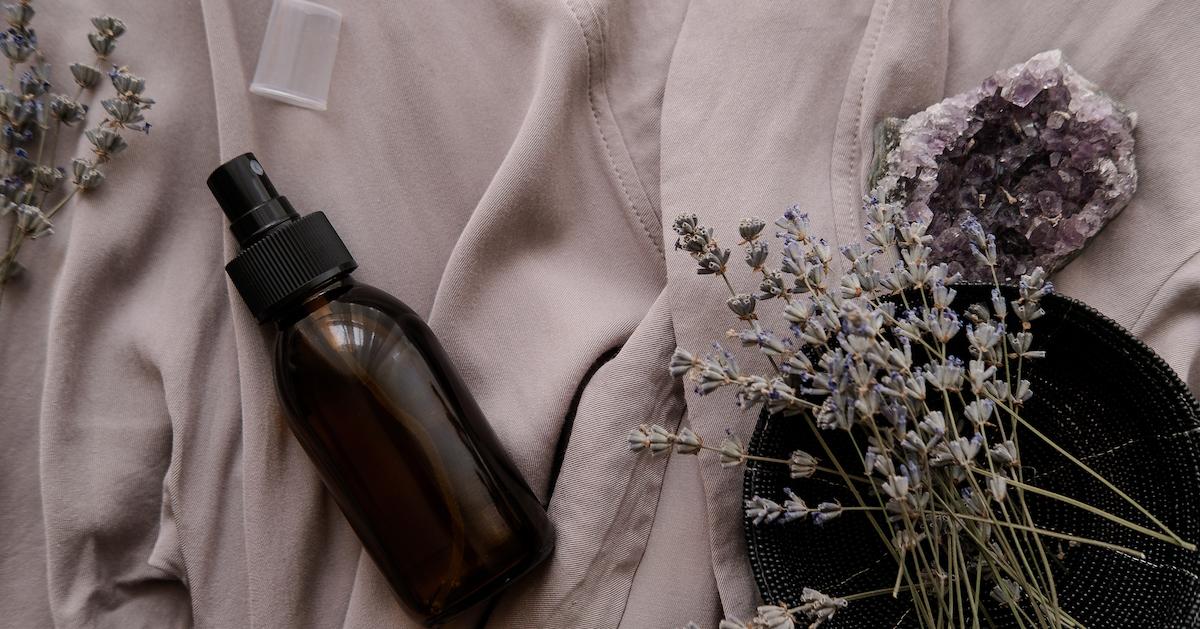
[896, 487]
[85, 76]
[106, 141]
[826, 511]
[971, 227]
[797, 362]
[682, 361]
[750, 228]
[906, 540]
[943, 296]
[1033, 285]
[943, 324]
[32, 222]
[108, 26]
[103, 46]
[761, 510]
[67, 111]
[978, 374]
[1006, 592]
[980, 411]
[978, 313]
[794, 507]
[770, 344]
[802, 464]
[18, 15]
[1022, 393]
[713, 262]
[794, 224]
[814, 333]
[851, 286]
[742, 305]
[660, 439]
[639, 438]
[688, 442]
[47, 177]
[756, 254]
[127, 113]
[128, 86]
[818, 607]
[822, 251]
[1004, 454]
[1027, 311]
[32, 84]
[685, 224]
[798, 311]
[998, 487]
[999, 306]
[946, 376]
[18, 44]
[771, 286]
[85, 175]
[775, 617]
[732, 453]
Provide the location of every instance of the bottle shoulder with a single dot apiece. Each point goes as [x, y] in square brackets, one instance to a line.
[375, 298]
[351, 314]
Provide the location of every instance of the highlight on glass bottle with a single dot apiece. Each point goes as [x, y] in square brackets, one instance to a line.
[391, 428]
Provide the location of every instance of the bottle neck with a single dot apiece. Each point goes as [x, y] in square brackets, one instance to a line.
[318, 298]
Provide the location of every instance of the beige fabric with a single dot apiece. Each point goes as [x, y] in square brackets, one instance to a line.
[507, 169]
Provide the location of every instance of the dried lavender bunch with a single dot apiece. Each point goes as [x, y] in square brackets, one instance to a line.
[938, 434]
[34, 118]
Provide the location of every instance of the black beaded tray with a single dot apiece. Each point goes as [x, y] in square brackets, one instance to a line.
[1101, 394]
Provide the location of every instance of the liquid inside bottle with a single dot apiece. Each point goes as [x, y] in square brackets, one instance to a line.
[391, 428]
[406, 451]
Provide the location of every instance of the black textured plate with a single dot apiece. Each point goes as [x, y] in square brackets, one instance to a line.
[1101, 394]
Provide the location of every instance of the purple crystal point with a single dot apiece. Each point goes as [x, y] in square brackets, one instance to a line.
[1037, 154]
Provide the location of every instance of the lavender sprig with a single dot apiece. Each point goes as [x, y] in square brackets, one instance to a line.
[870, 356]
[34, 118]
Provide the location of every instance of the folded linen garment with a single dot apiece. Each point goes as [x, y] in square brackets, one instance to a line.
[509, 169]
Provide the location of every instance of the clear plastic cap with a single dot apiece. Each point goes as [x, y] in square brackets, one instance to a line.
[295, 64]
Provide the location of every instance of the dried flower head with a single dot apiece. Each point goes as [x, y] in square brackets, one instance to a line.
[733, 453]
[85, 175]
[18, 44]
[688, 442]
[32, 222]
[18, 15]
[86, 76]
[108, 26]
[871, 349]
[66, 110]
[760, 510]
[742, 305]
[775, 617]
[750, 228]
[802, 464]
[819, 607]
[639, 438]
[31, 121]
[106, 142]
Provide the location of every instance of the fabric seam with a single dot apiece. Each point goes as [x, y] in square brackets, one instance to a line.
[854, 153]
[592, 88]
[620, 135]
[1154, 296]
[176, 473]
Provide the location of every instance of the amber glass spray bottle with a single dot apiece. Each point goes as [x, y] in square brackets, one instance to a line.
[376, 404]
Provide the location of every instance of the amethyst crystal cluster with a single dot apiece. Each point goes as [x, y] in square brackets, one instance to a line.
[1037, 154]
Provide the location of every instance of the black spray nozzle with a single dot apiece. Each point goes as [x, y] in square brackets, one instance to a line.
[245, 194]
